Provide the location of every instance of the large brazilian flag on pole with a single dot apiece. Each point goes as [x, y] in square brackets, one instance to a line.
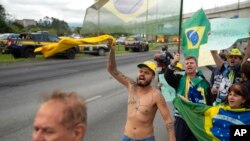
[195, 33]
[211, 123]
[133, 17]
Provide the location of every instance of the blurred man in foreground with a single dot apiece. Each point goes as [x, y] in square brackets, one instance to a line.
[61, 117]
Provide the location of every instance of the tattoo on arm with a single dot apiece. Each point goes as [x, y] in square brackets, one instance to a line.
[170, 127]
[118, 73]
[162, 100]
[132, 82]
[112, 66]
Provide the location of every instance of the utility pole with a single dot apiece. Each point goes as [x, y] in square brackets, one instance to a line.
[147, 22]
[98, 22]
[180, 26]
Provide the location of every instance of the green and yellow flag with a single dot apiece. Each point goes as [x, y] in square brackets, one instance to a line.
[211, 123]
[128, 10]
[195, 33]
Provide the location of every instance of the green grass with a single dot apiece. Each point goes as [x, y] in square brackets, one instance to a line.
[8, 58]
[82, 55]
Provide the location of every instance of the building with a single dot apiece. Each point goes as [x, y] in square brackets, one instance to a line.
[26, 22]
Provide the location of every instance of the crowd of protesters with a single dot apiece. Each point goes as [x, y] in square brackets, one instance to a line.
[229, 83]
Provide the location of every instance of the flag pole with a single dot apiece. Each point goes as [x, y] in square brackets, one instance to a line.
[180, 26]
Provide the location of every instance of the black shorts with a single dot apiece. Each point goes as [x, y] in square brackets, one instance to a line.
[182, 132]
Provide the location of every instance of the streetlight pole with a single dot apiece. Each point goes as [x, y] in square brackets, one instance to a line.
[98, 22]
[147, 22]
[180, 26]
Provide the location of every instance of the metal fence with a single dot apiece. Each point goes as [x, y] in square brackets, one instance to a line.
[144, 17]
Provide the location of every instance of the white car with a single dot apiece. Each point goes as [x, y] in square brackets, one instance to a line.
[121, 41]
[98, 49]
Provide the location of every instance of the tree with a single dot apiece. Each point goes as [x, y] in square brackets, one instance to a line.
[53, 24]
[3, 26]
[44, 23]
[77, 30]
[61, 27]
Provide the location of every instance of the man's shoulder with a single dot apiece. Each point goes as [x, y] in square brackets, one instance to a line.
[155, 90]
[180, 73]
[156, 93]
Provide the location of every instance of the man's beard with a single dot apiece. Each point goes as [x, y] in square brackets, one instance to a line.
[147, 83]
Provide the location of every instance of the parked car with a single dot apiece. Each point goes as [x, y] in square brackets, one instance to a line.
[28, 42]
[6, 40]
[136, 43]
[97, 49]
[121, 41]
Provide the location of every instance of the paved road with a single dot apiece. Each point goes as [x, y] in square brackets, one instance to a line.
[22, 85]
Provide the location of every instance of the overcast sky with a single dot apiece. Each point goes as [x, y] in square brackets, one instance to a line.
[72, 11]
[67, 10]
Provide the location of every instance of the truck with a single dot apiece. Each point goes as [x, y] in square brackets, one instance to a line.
[27, 42]
[96, 49]
[136, 44]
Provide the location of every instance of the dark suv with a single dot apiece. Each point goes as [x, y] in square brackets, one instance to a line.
[136, 44]
[28, 42]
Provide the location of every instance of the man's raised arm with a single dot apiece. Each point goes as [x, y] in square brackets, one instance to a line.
[112, 68]
[217, 59]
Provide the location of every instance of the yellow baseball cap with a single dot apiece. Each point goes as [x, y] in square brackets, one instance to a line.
[179, 66]
[235, 52]
[149, 64]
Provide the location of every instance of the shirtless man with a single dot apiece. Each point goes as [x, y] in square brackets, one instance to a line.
[143, 101]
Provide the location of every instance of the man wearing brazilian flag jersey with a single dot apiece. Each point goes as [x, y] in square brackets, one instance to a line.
[191, 85]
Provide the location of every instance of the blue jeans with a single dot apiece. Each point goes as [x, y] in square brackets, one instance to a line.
[126, 138]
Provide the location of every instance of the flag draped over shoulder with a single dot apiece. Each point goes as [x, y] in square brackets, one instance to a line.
[67, 43]
[211, 123]
[195, 33]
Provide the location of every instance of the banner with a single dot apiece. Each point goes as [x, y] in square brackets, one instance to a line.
[226, 32]
[205, 57]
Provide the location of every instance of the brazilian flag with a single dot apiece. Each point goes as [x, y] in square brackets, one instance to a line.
[195, 33]
[211, 123]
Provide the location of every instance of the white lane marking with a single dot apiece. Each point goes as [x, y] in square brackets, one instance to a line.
[93, 98]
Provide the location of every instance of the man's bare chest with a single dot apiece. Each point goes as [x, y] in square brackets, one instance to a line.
[143, 104]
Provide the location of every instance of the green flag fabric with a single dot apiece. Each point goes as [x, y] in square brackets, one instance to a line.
[167, 91]
[195, 33]
[211, 123]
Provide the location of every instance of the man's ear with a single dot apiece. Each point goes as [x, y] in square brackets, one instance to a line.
[79, 131]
